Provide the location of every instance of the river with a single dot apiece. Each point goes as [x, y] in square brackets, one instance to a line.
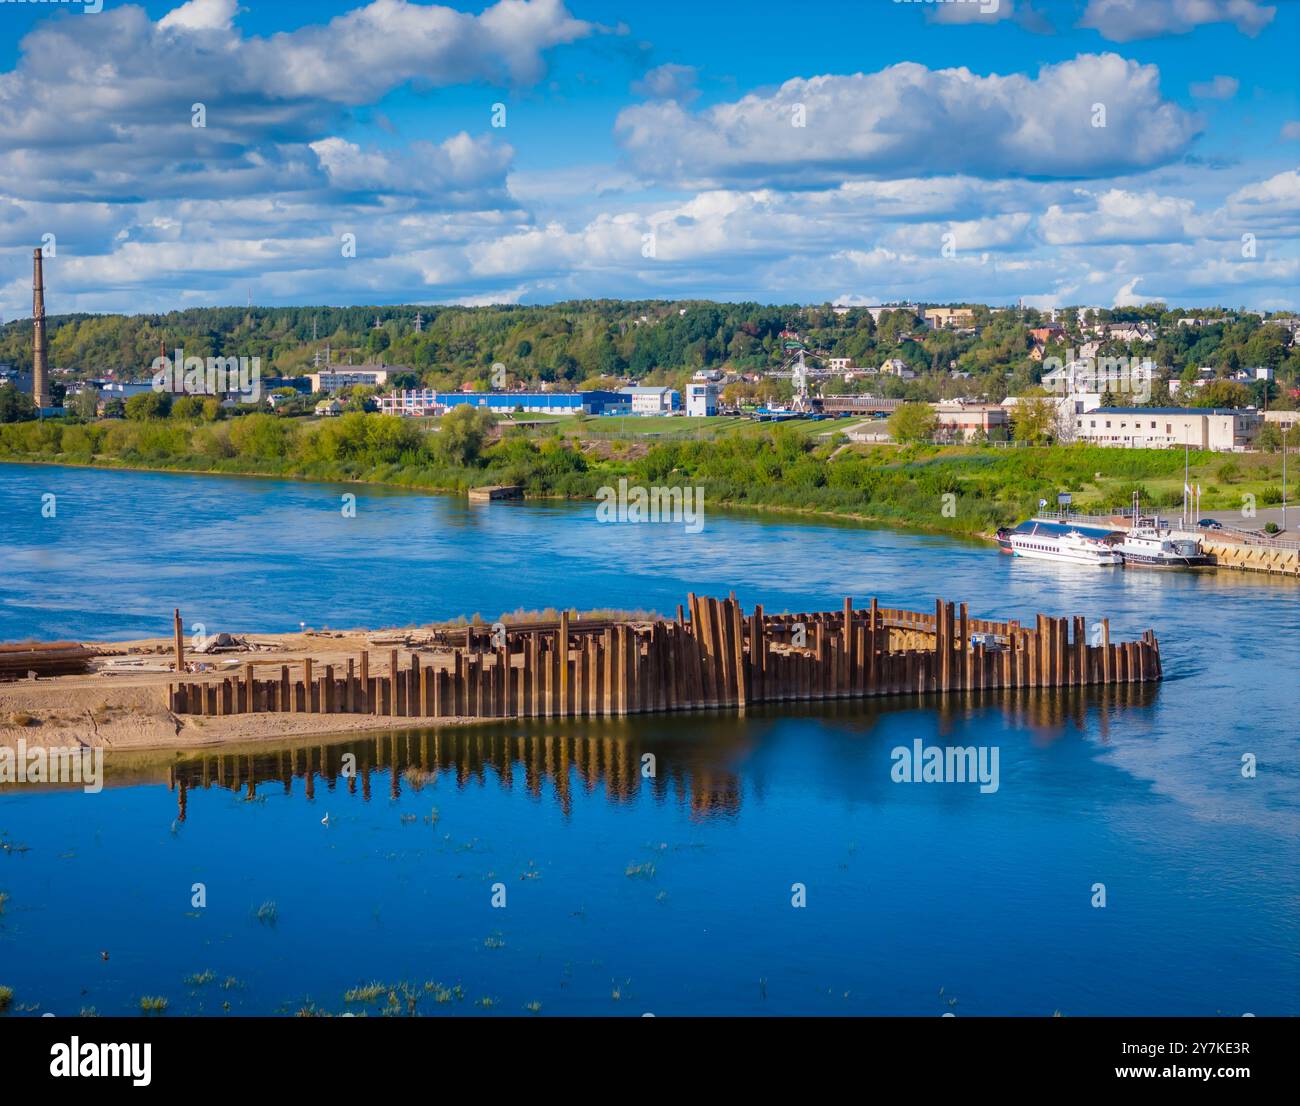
[626, 894]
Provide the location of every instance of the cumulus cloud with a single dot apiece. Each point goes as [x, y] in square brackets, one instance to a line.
[1126, 20]
[1278, 197]
[461, 170]
[911, 119]
[202, 15]
[87, 113]
[1117, 215]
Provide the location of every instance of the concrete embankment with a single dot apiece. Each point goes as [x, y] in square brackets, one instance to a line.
[1253, 558]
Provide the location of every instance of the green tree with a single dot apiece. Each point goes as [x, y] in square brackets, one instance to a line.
[1033, 419]
[85, 404]
[188, 407]
[15, 406]
[461, 434]
[148, 405]
[913, 422]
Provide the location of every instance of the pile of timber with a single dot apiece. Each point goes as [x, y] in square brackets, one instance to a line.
[55, 658]
[717, 658]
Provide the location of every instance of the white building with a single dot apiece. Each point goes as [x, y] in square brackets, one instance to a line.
[1222, 430]
[346, 376]
[653, 401]
[411, 403]
[701, 398]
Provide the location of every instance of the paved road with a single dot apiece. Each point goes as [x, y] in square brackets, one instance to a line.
[1263, 516]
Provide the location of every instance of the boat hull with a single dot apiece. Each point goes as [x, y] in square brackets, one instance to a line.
[1069, 556]
[1145, 560]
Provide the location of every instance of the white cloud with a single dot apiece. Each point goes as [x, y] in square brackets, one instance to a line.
[1220, 88]
[1126, 20]
[202, 15]
[1117, 215]
[89, 113]
[911, 119]
[460, 170]
[971, 11]
[1276, 197]
[668, 82]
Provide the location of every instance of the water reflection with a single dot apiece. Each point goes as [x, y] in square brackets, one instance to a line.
[693, 760]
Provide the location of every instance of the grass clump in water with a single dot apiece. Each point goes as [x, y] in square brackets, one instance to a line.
[153, 1004]
[369, 993]
[6, 998]
[268, 913]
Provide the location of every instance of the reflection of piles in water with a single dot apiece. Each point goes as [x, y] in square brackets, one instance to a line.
[414, 761]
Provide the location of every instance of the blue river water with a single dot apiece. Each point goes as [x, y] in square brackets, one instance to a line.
[623, 894]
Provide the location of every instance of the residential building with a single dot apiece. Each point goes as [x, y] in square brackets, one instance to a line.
[1128, 332]
[329, 408]
[338, 377]
[896, 366]
[949, 318]
[1224, 430]
[652, 400]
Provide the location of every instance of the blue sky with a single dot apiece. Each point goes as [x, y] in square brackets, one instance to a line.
[844, 150]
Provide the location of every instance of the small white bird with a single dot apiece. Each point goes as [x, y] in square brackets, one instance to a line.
[326, 820]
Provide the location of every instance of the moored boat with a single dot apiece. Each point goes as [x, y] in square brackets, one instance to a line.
[1072, 547]
[1159, 547]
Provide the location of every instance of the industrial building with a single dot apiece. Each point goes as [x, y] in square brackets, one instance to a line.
[653, 401]
[1227, 430]
[964, 421]
[425, 401]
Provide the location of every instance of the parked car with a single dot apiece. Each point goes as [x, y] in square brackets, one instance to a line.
[1210, 524]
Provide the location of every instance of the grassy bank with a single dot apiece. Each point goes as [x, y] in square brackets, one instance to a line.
[806, 467]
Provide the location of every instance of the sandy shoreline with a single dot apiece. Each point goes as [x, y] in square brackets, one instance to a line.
[122, 704]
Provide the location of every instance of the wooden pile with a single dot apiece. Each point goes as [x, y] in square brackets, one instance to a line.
[718, 658]
[55, 658]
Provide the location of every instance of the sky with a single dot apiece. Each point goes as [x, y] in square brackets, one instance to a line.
[1063, 152]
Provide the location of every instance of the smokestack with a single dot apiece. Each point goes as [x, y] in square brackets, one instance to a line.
[40, 374]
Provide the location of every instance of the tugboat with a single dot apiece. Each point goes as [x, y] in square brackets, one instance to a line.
[1150, 545]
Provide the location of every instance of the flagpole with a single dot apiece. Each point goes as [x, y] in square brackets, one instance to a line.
[1186, 489]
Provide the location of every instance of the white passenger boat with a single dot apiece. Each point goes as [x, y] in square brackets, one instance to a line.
[1073, 547]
